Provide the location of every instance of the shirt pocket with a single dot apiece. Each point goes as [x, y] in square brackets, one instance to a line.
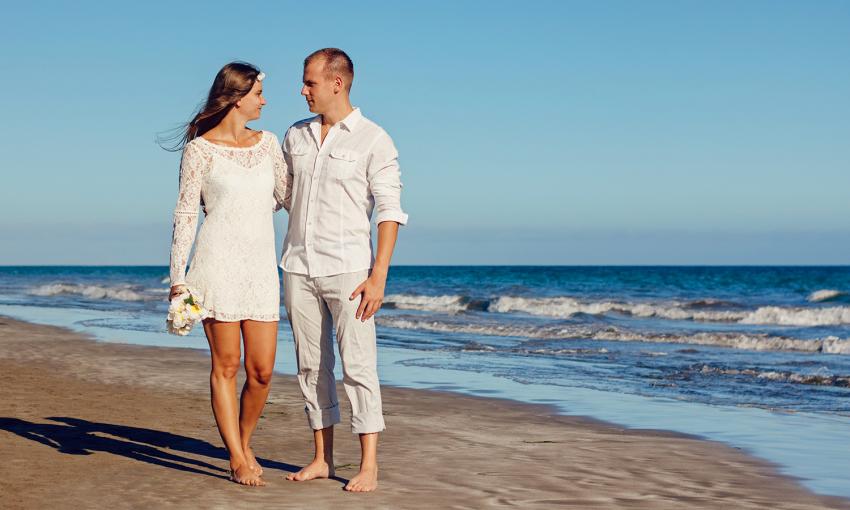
[342, 163]
[301, 160]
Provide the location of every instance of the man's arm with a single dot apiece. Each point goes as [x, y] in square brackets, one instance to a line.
[385, 185]
[373, 288]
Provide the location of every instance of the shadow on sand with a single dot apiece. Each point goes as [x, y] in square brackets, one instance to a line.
[80, 437]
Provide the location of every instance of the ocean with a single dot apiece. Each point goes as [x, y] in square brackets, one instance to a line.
[757, 357]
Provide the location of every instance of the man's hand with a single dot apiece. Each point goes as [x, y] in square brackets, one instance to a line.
[372, 295]
[372, 290]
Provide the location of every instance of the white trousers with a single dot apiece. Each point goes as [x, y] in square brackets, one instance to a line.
[317, 308]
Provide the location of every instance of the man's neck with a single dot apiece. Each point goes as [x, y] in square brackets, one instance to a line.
[336, 114]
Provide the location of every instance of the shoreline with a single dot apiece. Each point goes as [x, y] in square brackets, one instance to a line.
[136, 419]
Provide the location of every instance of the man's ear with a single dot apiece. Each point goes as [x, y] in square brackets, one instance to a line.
[338, 85]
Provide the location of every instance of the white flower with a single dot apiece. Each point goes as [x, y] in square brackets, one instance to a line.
[261, 76]
[183, 312]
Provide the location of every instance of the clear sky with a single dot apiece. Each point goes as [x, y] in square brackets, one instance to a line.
[597, 132]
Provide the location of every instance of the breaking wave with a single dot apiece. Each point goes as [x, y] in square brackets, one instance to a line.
[120, 293]
[567, 307]
[754, 342]
[448, 304]
[832, 316]
[780, 376]
[820, 296]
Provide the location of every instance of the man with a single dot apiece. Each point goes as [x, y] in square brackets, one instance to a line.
[341, 166]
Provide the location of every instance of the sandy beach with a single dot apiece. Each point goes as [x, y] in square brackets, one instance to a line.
[86, 424]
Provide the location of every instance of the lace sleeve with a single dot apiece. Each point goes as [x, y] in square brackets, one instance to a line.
[282, 178]
[193, 168]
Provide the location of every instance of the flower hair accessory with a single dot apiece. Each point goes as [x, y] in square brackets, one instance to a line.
[261, 76]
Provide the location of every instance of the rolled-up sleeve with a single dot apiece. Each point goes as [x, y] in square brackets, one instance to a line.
[384, 178]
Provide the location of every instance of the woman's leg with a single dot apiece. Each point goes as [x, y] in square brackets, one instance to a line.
[260, 346]
[223, 338]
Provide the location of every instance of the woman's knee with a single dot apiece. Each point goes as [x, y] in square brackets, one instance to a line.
[260, 376]
[225, 368]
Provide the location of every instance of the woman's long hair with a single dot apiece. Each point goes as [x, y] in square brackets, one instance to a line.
[232, 83]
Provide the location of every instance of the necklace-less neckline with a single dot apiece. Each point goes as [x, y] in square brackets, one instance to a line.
[227, 147]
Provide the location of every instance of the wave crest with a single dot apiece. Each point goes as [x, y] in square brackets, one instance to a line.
[779, 376]
[450, 304]
[566, 307]
[822, 295]
[752, 342]
[832, 316]
[120, 293]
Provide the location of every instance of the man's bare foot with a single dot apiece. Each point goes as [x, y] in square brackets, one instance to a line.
[316, 469]
[244, 475]
[364, 481]
[252, 462]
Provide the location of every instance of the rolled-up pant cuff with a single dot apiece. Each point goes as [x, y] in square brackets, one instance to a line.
[323, 418]
[367, 423]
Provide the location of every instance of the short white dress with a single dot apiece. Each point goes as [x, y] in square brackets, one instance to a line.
[233, 271]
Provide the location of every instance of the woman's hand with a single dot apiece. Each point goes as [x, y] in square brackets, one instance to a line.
[176, 290]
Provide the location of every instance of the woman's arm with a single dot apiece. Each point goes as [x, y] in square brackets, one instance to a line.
[193, 168]
[282, 178]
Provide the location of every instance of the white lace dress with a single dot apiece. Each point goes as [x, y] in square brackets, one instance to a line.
[234, 268]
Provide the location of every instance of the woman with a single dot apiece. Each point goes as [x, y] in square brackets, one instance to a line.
[239, 177]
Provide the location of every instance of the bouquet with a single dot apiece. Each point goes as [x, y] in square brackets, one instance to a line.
[183, 312]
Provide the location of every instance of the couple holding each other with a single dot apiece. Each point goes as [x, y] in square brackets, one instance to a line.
[331, 171]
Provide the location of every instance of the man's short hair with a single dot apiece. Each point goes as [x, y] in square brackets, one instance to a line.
[336, 61]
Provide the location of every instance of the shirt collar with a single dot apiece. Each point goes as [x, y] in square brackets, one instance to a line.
[349, 122]
[352, 119]
[316, 128]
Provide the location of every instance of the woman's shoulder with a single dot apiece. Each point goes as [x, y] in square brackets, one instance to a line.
[269, 135]
[197, 149]
[199, 143]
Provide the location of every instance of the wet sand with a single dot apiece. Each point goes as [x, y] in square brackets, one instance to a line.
[86, 424]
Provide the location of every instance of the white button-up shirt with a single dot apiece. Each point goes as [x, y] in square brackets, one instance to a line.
[334, 186]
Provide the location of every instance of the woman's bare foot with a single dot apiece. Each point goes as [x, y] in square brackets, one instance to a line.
[244, 475]
[252, 462]
[364, 481]
[316, 469]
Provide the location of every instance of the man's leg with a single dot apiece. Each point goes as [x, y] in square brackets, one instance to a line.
[322, 465]
[314, 355]
[366, 480]
[358, 350]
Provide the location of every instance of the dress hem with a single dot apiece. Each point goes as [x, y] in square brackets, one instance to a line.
[235, 317]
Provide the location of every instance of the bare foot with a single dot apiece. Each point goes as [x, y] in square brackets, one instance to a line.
[252, 462]
[244, 475]
[364, 481]
[316, 469]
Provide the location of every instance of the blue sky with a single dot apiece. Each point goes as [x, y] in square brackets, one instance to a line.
[534, 133]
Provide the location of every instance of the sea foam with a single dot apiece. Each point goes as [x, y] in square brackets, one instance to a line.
[120, 293]
[448, 304]
[816, 379]
[753, 342]
[832, 316]
[819, 296]
[567, 307]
